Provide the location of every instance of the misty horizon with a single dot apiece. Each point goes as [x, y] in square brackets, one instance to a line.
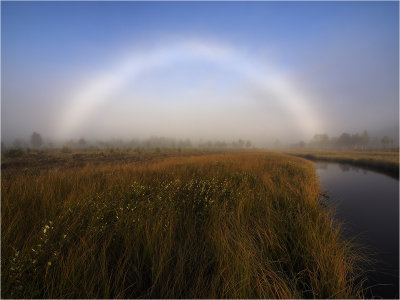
[257, 71]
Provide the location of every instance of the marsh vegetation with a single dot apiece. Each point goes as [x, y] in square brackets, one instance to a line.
[187, 224]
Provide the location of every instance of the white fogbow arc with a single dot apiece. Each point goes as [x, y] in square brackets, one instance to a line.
[99, 89]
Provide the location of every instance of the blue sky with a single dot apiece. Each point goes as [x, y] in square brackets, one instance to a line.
[342, 57]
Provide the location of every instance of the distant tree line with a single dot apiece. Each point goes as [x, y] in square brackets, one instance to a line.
[346, 140]
[357, 141]
[158, 143]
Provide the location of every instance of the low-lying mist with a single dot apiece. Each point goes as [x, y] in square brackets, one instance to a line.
[357, 141]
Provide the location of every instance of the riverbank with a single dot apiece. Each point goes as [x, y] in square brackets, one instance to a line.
[386, 162]
[233, 225]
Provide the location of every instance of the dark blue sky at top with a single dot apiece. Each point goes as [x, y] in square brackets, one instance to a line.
[354, 44]
[71, 30]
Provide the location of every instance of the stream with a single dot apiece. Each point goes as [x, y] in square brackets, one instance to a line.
[367, 203]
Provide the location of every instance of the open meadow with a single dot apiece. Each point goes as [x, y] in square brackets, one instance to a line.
[185, 224]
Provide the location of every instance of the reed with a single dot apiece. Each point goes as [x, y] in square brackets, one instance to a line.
[229, 225]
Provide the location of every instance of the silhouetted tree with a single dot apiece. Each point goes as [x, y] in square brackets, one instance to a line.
[321, 140]
[71, 144]
[36, 140]
[355, 140]
[220, 145]
[344, 139]
[277, 144]
[17, 144]
[375, 142]
[185, 143]
[82, 142]
[365, 139]
[386, 141]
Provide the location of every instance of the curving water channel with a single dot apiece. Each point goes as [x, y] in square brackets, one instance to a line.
[368, 203]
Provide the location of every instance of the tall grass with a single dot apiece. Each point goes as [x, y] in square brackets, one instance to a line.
[239, 225]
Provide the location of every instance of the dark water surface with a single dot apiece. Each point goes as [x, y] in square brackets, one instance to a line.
[368, 203]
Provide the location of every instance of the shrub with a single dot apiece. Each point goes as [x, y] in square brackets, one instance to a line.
[66, 149]
[13, 153]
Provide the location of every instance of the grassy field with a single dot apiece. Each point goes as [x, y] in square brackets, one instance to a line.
[129, 225]
[386, 162]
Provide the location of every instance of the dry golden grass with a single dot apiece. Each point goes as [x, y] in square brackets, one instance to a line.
[233, 225]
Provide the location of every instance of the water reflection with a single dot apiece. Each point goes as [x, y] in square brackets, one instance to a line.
[343, 167]
[321, 165]
[368, 203]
